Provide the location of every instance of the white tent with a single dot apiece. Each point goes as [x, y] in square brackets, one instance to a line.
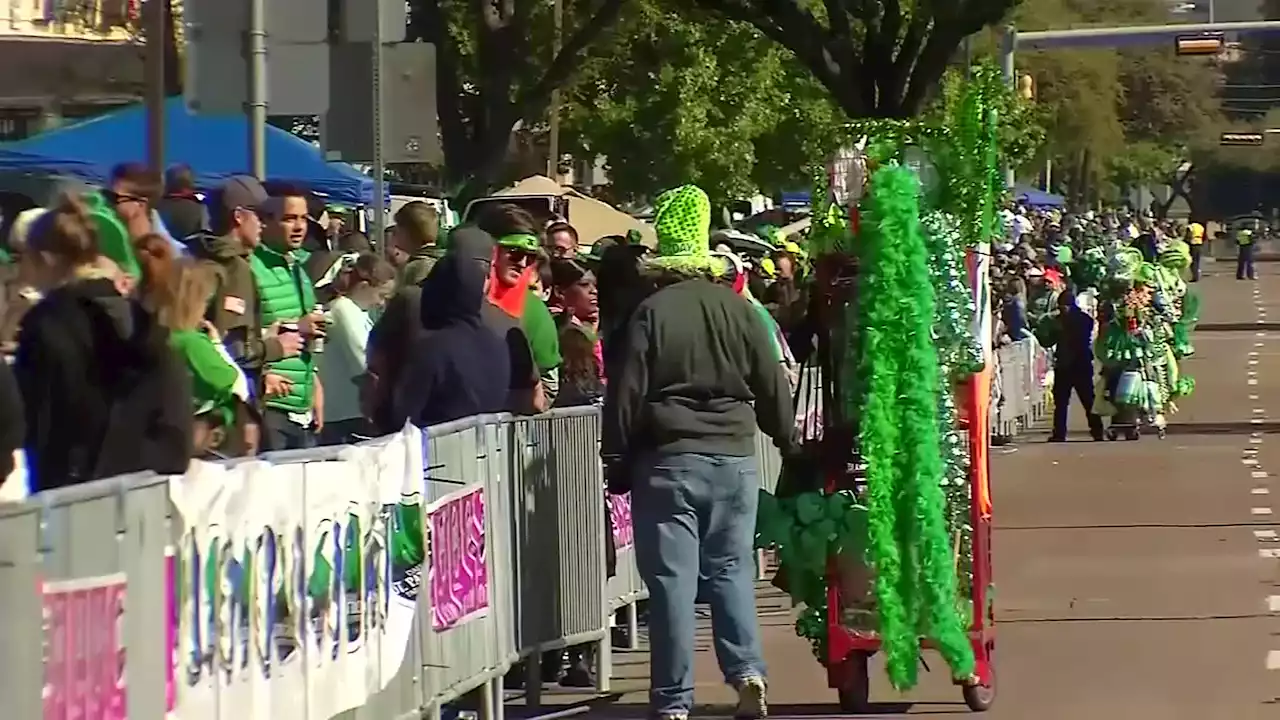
[592, 218]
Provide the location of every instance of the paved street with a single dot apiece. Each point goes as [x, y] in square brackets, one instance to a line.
[1134, 579]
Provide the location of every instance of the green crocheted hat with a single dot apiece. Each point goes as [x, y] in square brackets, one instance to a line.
[682, 222]
[113, 237]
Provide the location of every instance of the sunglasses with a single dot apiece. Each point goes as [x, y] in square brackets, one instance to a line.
[115, 198]
[518, 256]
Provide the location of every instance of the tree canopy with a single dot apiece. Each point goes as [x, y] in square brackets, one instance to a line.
[681, 98]
[496, 70]
[877, 59]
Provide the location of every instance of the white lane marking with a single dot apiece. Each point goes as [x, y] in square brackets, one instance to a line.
[1253, 381]
[1256, 421]
[1259, 411]
[1249, 462]
[1273, 603]
[1270, 553]
[1259, 474]
[1273, 660]
[1255, 435]
[1256, 441]
[1253, 362]
[1261, 334]
[1259, 344]
[1249, 452]
[1253, 397]
[1260, 491]
[1259, 511]
[1254, 353]
[1265, 534]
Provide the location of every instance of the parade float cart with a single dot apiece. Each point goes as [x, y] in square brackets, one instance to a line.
[882, 524]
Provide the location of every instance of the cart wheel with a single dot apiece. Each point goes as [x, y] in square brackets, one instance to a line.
[856, 696]
[1111, 434]
[1161, 432]
[980, 698]
[1132, 434]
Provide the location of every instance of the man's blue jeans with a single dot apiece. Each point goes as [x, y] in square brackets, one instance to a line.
[695, 522]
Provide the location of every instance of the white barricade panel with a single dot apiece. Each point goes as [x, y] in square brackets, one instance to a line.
[298, 582]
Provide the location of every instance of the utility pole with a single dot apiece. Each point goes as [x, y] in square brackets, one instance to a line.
[553, 141]
[379, 152]
[154, 23]
[1008, 42]
[258, 92]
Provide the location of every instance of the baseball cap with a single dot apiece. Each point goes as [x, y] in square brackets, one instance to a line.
[242, 191]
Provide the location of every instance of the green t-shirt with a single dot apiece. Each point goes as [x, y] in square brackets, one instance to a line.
[540, 328]
[213, 379]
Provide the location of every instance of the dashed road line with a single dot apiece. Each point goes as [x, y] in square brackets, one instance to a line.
[1260, 511]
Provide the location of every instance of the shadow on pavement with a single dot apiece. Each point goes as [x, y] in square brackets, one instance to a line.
[605, 709]
[1221, 428]
[1236, 326]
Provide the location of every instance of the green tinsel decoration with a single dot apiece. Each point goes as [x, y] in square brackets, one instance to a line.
[908, 546]
[957, 347]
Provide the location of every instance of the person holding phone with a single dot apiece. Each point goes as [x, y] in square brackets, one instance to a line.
[293, 399]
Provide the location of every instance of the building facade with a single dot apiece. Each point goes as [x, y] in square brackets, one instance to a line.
[65, 60]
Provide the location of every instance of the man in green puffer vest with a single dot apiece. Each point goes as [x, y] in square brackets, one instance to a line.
[293, 417]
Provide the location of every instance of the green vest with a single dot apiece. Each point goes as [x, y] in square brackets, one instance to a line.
[285, 294]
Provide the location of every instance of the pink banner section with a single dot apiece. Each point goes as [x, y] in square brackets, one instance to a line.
[620, 520]
[84, 649]
[458, 575]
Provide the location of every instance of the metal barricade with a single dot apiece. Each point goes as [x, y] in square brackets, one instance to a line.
[1023, 368]
[546, 518]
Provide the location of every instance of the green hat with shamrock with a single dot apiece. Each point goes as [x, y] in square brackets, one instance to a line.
[682, 222]
[519, 241]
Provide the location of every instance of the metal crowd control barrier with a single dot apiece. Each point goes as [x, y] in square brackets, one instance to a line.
[89, 573]
[1023, 369]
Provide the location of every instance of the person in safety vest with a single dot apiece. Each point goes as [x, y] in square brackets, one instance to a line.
[1244, 255]
[1195, 239]
[294, 406]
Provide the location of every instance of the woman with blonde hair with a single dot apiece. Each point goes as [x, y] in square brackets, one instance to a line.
[178, 292]
[104, 393]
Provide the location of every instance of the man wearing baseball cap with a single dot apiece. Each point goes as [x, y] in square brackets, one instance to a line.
[235, 309]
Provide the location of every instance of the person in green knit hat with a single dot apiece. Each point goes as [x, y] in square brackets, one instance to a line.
[697, 373]
[294, 410]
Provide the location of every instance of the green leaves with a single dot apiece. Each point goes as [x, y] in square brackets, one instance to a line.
[683, 99]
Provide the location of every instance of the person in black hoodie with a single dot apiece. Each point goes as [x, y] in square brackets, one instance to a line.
[181, 211]
[458, 367]
[104, 393]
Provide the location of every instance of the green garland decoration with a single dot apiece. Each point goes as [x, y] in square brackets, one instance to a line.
[958, 349]
[908, 543]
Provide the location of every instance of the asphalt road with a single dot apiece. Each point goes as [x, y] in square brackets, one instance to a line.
[1135, 580]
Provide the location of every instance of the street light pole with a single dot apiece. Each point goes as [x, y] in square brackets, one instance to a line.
[258, 94]
[155, 19]
[1009, 41]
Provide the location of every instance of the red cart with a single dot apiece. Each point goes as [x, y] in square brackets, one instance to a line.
[849, 649]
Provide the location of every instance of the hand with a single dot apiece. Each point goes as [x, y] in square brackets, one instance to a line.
[290, 342]
[276, 385]
[211, 330]
[312, 325]
[617, 476]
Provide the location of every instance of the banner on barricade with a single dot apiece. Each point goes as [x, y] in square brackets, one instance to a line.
[624, 536]
[84, 652]
[458, 576]
[297, 584]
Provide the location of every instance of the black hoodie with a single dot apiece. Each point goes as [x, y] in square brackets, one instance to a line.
[103, 392]
[458, 367]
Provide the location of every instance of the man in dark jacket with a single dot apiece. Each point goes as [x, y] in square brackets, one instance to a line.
[13, 423]
[395, 335]
[699, 372]
[1072, 334]
[180, 210]
[458, 367]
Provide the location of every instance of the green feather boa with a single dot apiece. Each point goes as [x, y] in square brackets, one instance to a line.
[908, 544]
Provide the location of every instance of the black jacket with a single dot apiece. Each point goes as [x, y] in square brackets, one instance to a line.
[184, 216]
[13, 424]
[698, 373]
[104, 393]
[458, 367]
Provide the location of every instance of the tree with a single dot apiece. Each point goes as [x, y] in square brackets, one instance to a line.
[877, 59]
[493, 75]
[678, 99]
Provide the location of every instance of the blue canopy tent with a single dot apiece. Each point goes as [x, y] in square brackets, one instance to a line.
[215, 147]
[1032, 197]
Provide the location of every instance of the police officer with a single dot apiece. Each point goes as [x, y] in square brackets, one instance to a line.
[1244, 254]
